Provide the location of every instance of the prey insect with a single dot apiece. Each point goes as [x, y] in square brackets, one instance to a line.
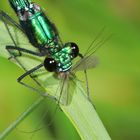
[44, 37]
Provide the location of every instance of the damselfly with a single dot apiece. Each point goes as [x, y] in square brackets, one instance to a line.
[43, 42]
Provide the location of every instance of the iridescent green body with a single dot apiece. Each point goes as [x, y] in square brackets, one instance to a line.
[64, 57]
[41, 29]
[38, 29]
[41, 34]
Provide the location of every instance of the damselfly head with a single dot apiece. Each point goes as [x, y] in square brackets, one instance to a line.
[61, 61]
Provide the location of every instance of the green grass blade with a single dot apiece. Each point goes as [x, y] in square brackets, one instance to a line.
[84, 117]
[80, 111]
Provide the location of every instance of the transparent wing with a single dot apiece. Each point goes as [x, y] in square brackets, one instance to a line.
[84, 63]
[87, 60]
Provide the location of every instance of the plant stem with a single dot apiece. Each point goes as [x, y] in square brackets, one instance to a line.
[21, 118]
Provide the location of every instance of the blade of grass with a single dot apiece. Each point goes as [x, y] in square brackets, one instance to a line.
[80, 111]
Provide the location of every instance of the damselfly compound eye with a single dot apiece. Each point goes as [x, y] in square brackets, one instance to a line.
[75, 49]
[50, 64]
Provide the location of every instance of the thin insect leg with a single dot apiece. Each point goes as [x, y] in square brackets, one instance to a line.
[86, 77]
[61, 92]
[3, 15]
[25, 51]
[42, 127]
[87, 85]
[29, 75]
[11, 53]
[14, 56]
[88, 98]
[15, 44]
[52, 119]
[11, 35]
[28, 86]
[9, 48]
[74, 76]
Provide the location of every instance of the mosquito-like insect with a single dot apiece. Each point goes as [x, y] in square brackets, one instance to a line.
[42, 34]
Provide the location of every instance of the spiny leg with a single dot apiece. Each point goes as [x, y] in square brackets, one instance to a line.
[4, 17]
[13, 56]
[14, 42]
[61, 91]
[38, 128]
[36, 90]
[10, 48]
[86, 77]
[28, 73]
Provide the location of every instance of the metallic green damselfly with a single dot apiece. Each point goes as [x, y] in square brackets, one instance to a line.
[45, 44]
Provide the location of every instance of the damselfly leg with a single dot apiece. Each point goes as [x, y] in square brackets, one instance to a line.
[88, 60]
[10, 48]
[15, 47]
[86, 78]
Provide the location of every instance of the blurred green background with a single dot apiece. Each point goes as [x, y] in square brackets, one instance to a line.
[114, 83]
